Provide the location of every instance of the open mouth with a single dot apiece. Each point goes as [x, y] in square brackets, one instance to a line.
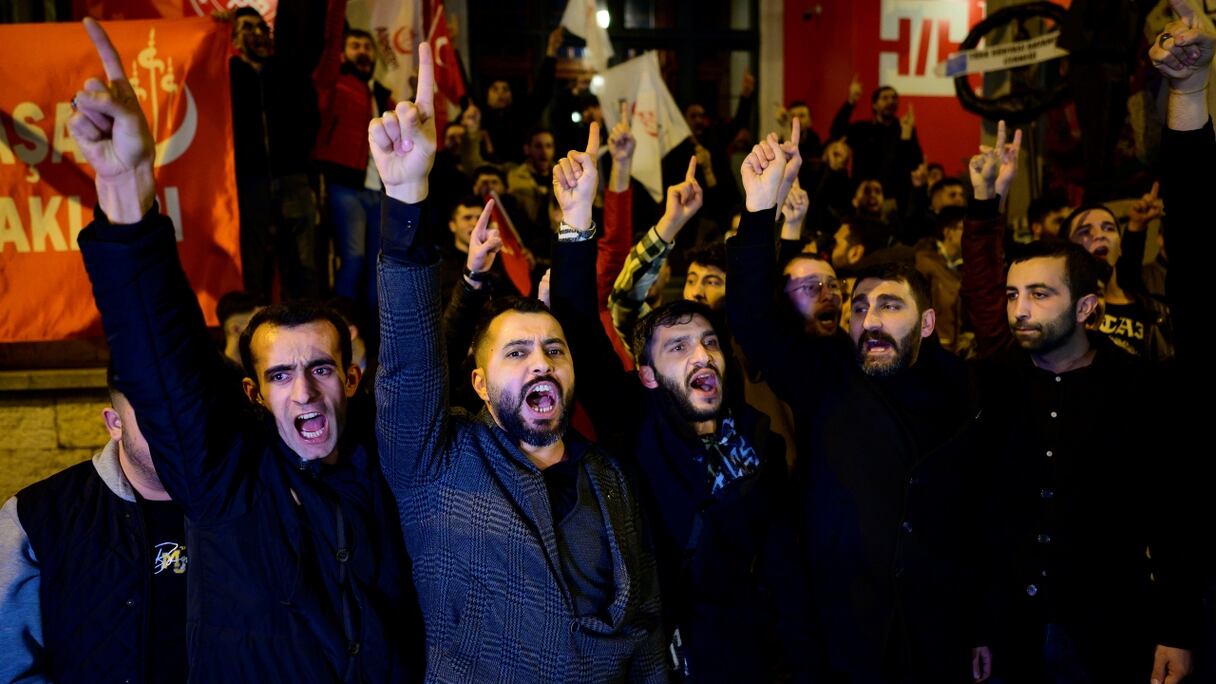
[704, 380]
[541, 397]
[312, 426]
[828, 318]
[1101, 251]
[875, 346]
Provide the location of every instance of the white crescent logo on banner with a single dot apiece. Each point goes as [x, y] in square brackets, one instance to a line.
[169, 149]
[443, 40]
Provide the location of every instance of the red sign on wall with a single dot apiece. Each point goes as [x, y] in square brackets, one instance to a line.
[884, 42]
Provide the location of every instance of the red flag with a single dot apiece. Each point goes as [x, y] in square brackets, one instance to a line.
[447, 68]
[513, 253]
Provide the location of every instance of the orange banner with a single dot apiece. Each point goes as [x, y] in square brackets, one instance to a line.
[179, 68]
[168, 9]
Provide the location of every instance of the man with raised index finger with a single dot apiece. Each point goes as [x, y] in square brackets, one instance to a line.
[527, 540]
[886, 477]
[297, 570]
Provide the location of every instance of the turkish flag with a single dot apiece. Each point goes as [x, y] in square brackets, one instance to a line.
[447, 69]
[513, 253]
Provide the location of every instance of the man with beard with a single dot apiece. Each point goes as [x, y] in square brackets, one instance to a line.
[1091, 572]
[274, 122]
[713, 471]
[297, 572]
[348, 98]
[885, 469]
[810, 281]
[885, 148]
[814, 292]
[527, 540]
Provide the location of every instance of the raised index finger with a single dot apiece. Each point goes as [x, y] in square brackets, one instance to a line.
[692, 170]
[795, 131]
[424, 99]
[593, 139]
[1152, 195]
[1000, 136]
[105, 50]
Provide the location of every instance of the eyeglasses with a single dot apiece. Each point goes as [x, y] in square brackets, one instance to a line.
[812, 287]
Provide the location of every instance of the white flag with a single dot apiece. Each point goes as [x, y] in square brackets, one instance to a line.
[396, 27]
[579, 18]
[655, 120]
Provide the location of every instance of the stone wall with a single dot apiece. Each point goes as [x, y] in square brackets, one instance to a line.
[45, 431]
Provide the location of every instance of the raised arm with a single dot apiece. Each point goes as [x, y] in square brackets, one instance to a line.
[983, 286]
[165, 362]
[573, 289]
[646, 259]
[1183, 55]
[411, 385]
[1130, 266]
[468, 298]
[778, 352]
[329, 64]
[1184, 58]
[617, 237]
[840, 123]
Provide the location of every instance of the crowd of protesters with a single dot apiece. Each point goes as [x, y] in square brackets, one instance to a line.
[826, 417]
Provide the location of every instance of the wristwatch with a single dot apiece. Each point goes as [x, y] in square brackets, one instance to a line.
[477, 276]
[568, 233]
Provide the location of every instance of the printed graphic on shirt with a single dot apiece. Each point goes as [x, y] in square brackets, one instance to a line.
[169, 556]
[1126, 332]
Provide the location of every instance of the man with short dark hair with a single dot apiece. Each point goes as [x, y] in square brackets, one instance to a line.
[868, 198]
[809, 144]
[886, 147]
[507, 117]
[1129, 316]
[274, 122]
[530, 184]
[939, 259]
[1046, 214]
[814, 292]
[856, 239]
[298, 571]
[1090, 573]
[530, 557]
[93, 564]
[706, 279]
[884, 466]
[714, 471]
[347, 98]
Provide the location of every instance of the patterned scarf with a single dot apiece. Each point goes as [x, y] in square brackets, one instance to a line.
[727, 456]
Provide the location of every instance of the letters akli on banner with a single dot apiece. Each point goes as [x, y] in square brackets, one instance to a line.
[178, 69]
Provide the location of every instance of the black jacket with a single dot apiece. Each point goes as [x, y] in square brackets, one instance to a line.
[728, 568]
[94, 568]
[298, 569]
[885, 473]
[1073, 507]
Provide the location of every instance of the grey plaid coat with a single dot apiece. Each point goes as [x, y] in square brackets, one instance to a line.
[476, 515]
